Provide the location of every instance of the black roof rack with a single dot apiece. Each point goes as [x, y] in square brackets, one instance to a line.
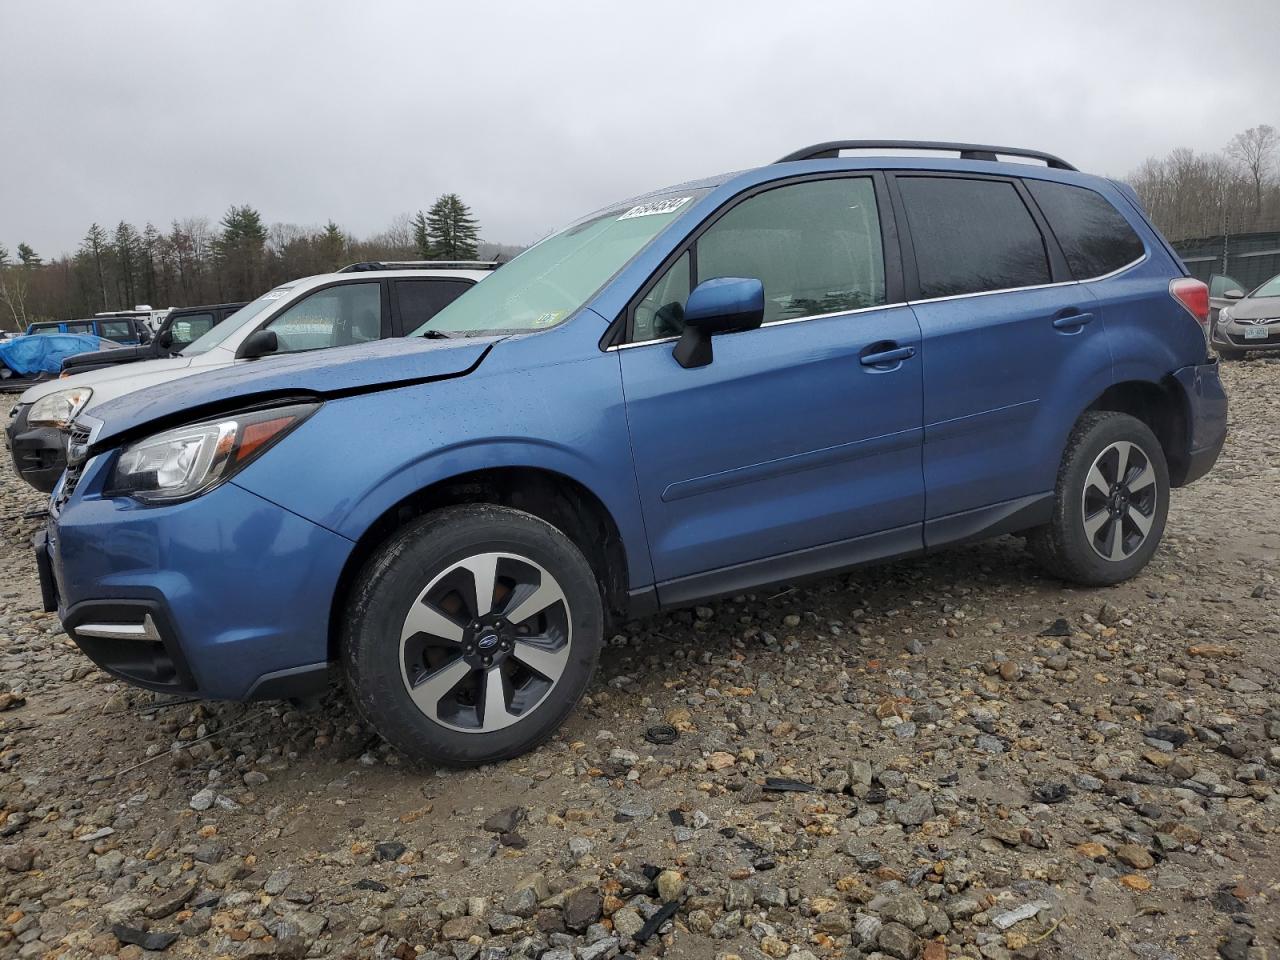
[967, 151]
[369, 265]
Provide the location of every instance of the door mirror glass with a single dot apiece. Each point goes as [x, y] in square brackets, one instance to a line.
[722, 305]
[164, 339]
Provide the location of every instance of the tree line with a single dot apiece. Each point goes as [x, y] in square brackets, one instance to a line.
[1231, 191]
[196, 262]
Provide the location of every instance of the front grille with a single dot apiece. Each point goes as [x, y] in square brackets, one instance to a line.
[77, 445]
[69, 480]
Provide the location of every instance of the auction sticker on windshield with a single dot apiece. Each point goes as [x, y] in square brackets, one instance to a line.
[654, 207]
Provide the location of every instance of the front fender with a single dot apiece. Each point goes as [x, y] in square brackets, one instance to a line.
[357, 457]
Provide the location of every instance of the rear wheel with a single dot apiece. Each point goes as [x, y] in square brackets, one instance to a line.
[1111, 502]
[472, 634]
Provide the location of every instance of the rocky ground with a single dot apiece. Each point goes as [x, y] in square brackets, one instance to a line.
[938, 758]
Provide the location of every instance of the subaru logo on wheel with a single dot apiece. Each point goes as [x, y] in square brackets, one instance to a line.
[487, 642]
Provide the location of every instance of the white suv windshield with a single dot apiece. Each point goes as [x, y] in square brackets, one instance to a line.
[1269, 289]
[246, 314]
[549, 281]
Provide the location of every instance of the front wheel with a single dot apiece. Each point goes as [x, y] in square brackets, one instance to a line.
[471, 635]
[1110, 502]
[1230, 353]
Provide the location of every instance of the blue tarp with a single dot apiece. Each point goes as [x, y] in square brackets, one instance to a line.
[28, 356]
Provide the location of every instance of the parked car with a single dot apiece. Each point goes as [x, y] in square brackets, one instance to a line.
[1247, 322]
[181, 326]
[28, 360]
[117, 329]
[803, 367]
[356, 305]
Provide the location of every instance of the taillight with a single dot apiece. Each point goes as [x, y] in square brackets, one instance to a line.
[1194, 297]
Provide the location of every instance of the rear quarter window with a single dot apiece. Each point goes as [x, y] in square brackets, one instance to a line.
[972, 236]
[1093, 235]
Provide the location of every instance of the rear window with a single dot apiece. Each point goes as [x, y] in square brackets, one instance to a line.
[1094, 236]
[115, 329]
[972, 236]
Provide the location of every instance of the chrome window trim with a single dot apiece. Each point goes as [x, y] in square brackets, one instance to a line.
[1038, 286]
[771, 323]
[907, 303]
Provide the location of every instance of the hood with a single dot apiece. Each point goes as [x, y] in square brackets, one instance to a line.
[325, 374]
[1254, 308]
[117, 355]
[138, 374]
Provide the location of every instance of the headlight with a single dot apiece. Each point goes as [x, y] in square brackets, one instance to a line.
[1224, 314]
[183, 463]
[58, 409]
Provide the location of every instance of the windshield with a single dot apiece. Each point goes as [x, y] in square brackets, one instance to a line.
[246, 314]
[549, 281]
[1269, 289]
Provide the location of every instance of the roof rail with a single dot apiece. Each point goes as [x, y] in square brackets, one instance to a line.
[369, 265]
[968, 151]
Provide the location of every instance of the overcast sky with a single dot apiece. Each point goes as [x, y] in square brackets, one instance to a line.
[536, 112]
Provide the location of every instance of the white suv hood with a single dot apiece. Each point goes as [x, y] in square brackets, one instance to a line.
[111, 382]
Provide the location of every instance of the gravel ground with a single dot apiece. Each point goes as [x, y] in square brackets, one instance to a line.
[937, 758]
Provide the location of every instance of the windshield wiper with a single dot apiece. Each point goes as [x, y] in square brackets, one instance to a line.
[438, 335]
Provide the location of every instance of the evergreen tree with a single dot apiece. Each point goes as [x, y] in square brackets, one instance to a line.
[28, 256]
[148, 246]
[453, 231]
[241, 250]
[93, 249]
[4, 255]
[125, 247]
[332, 244]
[421, 235]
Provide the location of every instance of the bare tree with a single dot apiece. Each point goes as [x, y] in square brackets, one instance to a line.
[1255, 150]
[13, 294]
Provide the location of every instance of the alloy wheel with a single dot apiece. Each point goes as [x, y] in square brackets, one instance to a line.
[485, 642]
[1119, 501]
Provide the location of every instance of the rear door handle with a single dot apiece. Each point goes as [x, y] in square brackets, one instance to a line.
[1072, 321]
[885, 358]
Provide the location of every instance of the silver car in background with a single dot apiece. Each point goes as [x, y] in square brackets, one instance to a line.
[1240, 322]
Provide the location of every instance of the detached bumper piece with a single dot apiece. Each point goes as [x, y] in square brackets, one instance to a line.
[131, 640]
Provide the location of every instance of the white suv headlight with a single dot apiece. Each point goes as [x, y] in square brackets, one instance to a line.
[1224, 314]
[188, 461]
[59, 408]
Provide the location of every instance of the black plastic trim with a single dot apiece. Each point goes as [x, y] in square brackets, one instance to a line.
[1009, 516]
[112, 655]
[306, 680]
[817, 561]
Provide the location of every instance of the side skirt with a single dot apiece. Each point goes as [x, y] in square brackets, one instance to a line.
[1009, 516]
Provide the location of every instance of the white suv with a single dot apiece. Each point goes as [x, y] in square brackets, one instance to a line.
[362, 302]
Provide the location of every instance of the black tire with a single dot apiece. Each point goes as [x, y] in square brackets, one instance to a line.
[392, 585]
[1229, 353]
[1062, 546]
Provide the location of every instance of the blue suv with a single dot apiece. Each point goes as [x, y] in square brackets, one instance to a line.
[827, 361]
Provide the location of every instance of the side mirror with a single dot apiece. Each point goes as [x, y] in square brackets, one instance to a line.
[1233, 294]
[722, 305]
[258, 344]
[164, 339]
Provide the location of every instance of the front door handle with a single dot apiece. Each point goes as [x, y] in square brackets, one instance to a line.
[1072, 321]
[886, 355]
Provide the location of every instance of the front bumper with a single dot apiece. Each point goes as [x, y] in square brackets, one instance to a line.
[227, 596]
[39, 453]
[1206, 420]
[1236, 336]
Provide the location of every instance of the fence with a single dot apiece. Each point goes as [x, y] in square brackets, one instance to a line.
[1250, 258]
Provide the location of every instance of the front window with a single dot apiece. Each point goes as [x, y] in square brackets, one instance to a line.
[115, 330]
[333, 317]
[814, 246]
[186, 329]
[551, 280]
[1269, 289]
[249, 313]
[86, 327]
